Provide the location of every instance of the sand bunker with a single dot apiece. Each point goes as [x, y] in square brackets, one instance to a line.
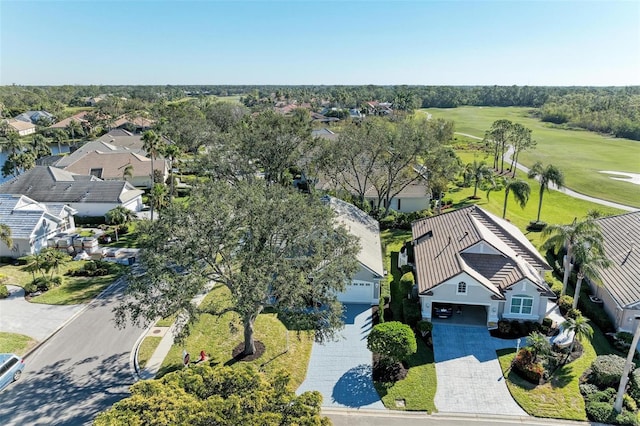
[628, 177]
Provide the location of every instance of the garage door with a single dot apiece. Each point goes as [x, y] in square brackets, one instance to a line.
[357, 292]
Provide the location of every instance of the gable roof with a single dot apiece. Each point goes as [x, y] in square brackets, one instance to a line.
[33, 116]
[23, 215]
[79, 117]
[113, 164]
[622, 247]
[53, 185]
[365, 228]
[20, 125]
[474, 241]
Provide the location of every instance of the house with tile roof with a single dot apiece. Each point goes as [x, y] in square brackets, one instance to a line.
[79, 117]
[365, 284]
[472, 258]
[22, 128]
[86, 194]
[620, 286]
[32, 223]
[35, 116]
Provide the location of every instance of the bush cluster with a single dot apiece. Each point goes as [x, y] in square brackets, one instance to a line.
[607, 370]
[92, 268]
[406, 284]
[399, 220]
[528, 369]
[43, 284]
[565, 303]
[4, 291]
[515, 329]
[411, 312]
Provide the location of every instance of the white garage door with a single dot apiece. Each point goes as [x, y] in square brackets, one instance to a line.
[357, 292]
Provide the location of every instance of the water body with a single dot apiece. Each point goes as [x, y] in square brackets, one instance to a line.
[54, 151]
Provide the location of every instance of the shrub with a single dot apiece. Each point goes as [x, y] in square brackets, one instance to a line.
[4, 291]
[564, 303]
[596, 314]
[601, 412]
[547, 323]
[392, 340]
[607, 370]
[411, 312]
[554, 284]
[424, 327]
[504, 327]
[588, 389]
[406, 284]
[626, 418]
[629, 403]
[625, 337]
[573, 313]
[525, 366]
[406, 268]
[634, 385]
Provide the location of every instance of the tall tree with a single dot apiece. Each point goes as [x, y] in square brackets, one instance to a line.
[585, 232]
[40, 146]
[497, 137]
[158, 197]
[127, 172]
[546, 176]
[171, 152]
[520, 141]
[151, 144]
[590, 259]
[520, 190]
[265, 243]
[73, 128]
[580, 327]
[480, 173]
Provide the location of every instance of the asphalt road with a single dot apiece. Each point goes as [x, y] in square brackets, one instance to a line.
[82, 370]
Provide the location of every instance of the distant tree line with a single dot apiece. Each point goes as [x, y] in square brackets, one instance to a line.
[614, 110]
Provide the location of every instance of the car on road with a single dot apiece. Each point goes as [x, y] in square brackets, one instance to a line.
[11, 366]
[442, 310]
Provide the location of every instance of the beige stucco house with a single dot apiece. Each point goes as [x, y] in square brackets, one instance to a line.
[470, 257]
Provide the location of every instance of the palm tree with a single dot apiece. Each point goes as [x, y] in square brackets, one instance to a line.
[580, 327]
[59, 136]
[127, 172]
[5, 235]
[73, 128]
[569, 236]
[539, 344]
[13, 146]
[591, 260]
[119, 216]
[53, 260]
[158, 197]
[171, 151]
[479, 173]
[40, 146]
[546, 176]
[151, 144]
[520, 190]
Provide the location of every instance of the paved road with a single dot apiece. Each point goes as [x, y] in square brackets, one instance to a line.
[566, 191]
[35, 320]
[395, 418]
[82, 370]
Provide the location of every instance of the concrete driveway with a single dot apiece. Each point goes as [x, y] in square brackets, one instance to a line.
[469, 374]
[35, 320]
[341, 370]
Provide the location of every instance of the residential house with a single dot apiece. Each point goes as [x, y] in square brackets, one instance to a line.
[137, 124]
[476, 261]
[365, 284]
[86, 194]
[32, 223]
[22, 128]
[620, 289]
[35, 117]
[80, 118]
[378, 108]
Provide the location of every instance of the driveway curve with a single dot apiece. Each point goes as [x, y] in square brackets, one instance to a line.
[469, 375]
[35, 320]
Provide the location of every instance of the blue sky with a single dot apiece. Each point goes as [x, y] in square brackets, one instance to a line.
[320, 42]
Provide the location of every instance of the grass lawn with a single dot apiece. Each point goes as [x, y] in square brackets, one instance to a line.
[18, 344]
[557, 208]
[75, 290]
[219, 335]
[147, 348]
[579, 154]
[418, 389]
[15, 275]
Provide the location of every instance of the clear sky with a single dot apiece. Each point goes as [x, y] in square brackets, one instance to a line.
[320, 42]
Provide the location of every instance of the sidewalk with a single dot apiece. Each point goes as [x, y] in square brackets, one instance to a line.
[155, 362]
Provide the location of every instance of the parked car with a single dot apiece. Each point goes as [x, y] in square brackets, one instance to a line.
[442, 310]
[11, 367]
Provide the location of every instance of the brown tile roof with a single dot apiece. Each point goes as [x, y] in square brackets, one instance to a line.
[137, 121]
[79, 117]
[444, 247]
[622, 246]
[20, 125]
[113, 164]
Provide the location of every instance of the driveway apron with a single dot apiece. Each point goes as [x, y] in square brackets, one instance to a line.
[469, 375]
[341, 370]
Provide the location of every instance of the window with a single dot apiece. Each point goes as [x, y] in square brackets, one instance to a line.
[521, 304]
[462, 288]
[96, 172]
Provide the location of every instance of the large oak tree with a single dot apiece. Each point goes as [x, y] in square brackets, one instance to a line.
[268, 244]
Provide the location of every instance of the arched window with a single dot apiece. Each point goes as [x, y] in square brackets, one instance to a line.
[521, 304]
[462, 288]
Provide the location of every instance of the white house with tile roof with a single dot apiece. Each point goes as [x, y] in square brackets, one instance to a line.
[86, 194]
[471, 257]
[620, 289]
[365, 284]
[32, 223]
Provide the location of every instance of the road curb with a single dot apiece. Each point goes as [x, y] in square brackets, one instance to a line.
[71, 318]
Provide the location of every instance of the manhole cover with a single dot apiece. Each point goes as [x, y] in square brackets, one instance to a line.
[157, 331]
[400, 403]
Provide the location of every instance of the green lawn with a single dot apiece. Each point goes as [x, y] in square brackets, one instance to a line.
[75, 290]
[147, 348]
[579, 154]
[15, 343]
[288, 350]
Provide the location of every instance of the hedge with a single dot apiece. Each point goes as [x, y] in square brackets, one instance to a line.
[607, 370]
[411, 312]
